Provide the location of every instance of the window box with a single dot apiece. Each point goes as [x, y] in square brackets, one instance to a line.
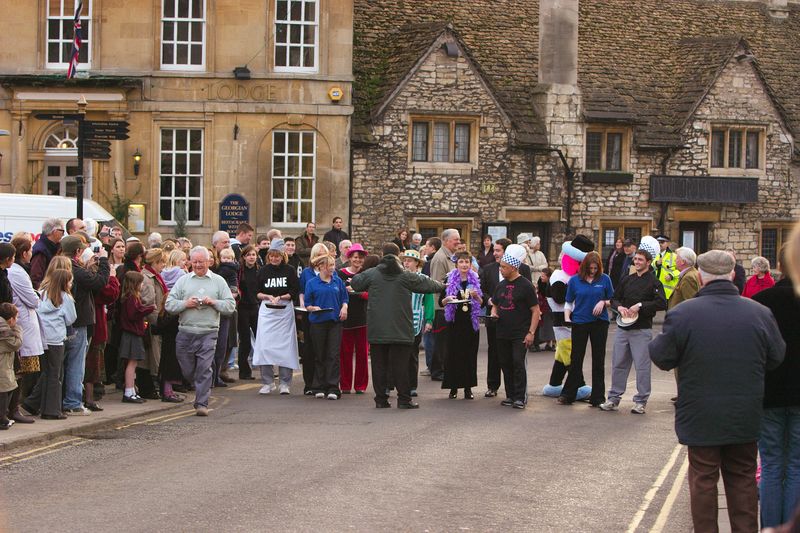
[593, 176]
[704, 189]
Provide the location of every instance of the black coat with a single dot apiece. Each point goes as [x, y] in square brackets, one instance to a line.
[782, 386]
[722, 344]
[85, 284]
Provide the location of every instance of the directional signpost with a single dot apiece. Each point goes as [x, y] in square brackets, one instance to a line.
[94, 139]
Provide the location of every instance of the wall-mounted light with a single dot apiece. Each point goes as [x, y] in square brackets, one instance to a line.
[137, 158]
[241, 73]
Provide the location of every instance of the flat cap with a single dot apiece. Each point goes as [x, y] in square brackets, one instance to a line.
[716, 262]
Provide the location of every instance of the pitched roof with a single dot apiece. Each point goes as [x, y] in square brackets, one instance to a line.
[647, 62]
[391, 35]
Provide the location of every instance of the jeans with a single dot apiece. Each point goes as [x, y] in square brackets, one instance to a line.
[74, 368]
[779, 447]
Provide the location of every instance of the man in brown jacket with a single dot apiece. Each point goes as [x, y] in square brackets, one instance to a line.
[689, 279]
[687, 287]
[441, 265]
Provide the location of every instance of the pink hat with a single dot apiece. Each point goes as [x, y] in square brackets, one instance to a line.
[356, 248]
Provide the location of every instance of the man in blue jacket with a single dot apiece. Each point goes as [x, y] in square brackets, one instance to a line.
[722, 344]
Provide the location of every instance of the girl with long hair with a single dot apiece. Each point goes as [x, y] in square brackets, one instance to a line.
[131, 317]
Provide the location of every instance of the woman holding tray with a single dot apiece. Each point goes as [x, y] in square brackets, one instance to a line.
[276, 337]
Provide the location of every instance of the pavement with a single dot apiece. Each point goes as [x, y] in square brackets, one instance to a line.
[296, 463]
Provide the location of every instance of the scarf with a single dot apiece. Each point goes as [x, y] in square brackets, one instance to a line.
[158, 277]
[454, 288]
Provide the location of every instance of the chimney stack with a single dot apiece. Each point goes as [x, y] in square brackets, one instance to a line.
[558, 42]
[778, 9]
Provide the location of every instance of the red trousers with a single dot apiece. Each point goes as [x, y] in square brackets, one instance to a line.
[354, 339]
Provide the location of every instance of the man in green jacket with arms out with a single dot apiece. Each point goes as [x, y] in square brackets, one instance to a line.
[390, 323]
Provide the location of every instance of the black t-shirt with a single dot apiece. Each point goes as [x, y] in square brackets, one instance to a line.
[357, 308]
[514, 300]
[278, 280]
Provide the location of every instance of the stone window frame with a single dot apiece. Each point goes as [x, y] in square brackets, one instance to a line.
[286, 153]
[176, 21]
[431, 120]
[605, 130]
[304, 25]
[782, 231]
[199, 176]
[727, 170]
[65, 18]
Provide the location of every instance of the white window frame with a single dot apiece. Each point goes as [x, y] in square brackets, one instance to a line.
[284, 151]
[175, 20]
[86, 35]
[287, 44]
[188, 175]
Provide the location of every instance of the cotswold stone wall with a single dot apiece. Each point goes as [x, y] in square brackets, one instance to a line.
[389, 191]
[739, 97]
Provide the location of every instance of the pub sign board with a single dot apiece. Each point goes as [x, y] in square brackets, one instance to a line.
[233, 210]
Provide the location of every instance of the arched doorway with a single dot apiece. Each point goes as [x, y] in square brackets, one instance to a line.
[61, 164]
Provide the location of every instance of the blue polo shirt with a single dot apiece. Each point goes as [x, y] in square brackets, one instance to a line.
[327, 295]
[584, 296]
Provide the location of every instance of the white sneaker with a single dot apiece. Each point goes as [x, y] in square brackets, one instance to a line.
[333, 396]
[284, 389]
[319, 395]
[79, 411]
[638, 409]
[609, 406]
[266, 389]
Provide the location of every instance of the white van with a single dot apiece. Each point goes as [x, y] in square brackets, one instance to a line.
[27, 212]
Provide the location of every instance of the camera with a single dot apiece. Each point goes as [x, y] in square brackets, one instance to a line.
[96, 246]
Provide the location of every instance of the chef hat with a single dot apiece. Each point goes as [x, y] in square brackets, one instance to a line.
[513, 255]
[650, 245]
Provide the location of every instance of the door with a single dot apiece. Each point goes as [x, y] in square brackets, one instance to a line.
[434, 228]
[694, 235]
[535, 229]
[610, 231]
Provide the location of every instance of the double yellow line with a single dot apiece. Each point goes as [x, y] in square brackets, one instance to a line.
[41, 451]
[666, 508]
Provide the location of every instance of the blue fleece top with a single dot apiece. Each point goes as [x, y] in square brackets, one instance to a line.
[330, 295]
[584, 296]
[306, 275]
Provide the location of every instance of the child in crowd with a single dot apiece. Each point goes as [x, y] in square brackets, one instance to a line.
[326, 301]
[133, 325]
[422, 310]
[57, 314]
[10, 342]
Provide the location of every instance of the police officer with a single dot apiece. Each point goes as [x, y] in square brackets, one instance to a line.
[665, 266]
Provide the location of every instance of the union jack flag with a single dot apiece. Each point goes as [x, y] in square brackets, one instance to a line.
[76, 42]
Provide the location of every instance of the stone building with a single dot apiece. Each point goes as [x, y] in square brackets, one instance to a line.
[613, 118]
[222, 97]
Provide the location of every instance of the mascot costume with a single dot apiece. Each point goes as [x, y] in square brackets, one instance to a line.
[572, 253]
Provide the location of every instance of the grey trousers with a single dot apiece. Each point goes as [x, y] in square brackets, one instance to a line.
[196, 358]
[268, 374]
[630, 348]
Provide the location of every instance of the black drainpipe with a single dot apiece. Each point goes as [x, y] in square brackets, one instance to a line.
[570, 175]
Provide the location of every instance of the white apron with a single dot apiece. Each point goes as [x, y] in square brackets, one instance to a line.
[276, 340]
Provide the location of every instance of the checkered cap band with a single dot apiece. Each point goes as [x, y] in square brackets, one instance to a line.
[511, 260]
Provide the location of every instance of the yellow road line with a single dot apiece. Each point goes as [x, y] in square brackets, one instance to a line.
[677, 485]
[176, 417]
[42, 451]
[648, 498]
[246, 386]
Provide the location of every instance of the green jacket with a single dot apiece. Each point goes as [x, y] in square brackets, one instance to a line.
[389, 316]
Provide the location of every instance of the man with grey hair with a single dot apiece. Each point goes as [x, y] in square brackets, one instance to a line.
[722, 344]
[154, 240]
[199, 298]
[341, 259]
[45, 249]
[220, 240]
[688, 279]
[441, 265]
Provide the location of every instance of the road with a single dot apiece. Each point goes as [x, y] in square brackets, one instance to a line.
[296, 463]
